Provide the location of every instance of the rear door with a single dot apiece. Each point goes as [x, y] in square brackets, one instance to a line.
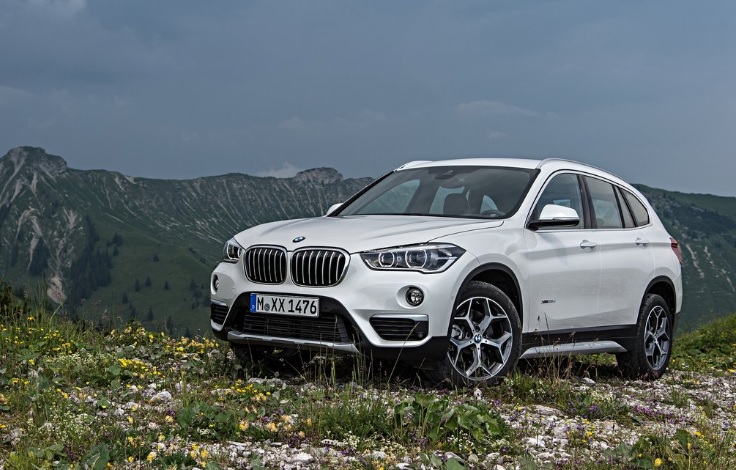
[627, 261]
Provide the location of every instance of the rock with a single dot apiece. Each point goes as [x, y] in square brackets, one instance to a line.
[547, 411]
[162, 396]
[302, 458]
[588, 381]
[537, 441]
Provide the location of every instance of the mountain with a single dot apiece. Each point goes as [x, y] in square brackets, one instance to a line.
[99, 241]
[111, 247]
[705, 227]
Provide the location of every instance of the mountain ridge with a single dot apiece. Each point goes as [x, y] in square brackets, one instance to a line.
[113, 247]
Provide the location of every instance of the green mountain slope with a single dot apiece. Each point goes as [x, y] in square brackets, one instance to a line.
[134, 247]
[99, 241]
[705, 226]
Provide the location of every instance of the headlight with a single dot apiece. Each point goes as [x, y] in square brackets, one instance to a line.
[430, 258]
[232, 251]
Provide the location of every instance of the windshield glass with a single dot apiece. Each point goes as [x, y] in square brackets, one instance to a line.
[448, 191]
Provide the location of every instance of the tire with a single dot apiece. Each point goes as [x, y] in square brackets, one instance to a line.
[270, 356]
[485, 338]
[654, 334]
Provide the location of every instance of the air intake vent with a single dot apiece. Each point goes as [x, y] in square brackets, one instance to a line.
[265, 264]
[318, 268]
[399, 329]
[218, 313]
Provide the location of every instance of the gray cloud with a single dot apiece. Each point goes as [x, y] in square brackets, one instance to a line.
[181, 88]
[493, 108]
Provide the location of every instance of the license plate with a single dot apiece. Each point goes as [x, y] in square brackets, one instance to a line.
[284, 305]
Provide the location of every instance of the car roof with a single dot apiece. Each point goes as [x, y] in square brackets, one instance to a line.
[549, 164]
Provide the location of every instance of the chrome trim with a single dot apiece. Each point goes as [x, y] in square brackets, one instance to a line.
[414, 316]
[241, 338]
[587, 347]
[317, 266]
[267, 263]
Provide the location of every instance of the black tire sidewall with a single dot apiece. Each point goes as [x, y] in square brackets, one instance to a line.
[638, 356]
[445, 369]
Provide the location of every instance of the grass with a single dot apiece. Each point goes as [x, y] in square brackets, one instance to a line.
[72, 396]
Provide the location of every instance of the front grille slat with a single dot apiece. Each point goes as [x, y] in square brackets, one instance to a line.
[318, 267]
[265, 265]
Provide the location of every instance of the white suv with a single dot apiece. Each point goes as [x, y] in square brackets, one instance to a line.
[461, 267]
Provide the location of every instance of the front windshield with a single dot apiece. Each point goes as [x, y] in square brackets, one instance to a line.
[447, 191]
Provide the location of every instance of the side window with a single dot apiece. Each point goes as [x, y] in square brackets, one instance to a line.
[641, 216]
[562, 190]
[605, 205]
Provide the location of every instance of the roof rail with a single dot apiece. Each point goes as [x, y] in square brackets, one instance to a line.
[412, 163]
[567, 160]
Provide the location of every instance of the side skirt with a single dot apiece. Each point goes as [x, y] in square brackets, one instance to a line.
[609, 339]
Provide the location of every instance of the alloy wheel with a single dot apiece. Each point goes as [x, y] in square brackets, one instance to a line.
[657, 338]
[481, 339]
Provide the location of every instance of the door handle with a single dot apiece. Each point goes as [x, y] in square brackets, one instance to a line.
[641, 242]
[588, 244]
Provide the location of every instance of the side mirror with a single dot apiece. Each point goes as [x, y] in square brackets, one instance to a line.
[333, 208]
[555, 216]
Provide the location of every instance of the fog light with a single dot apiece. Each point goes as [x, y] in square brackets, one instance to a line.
[215, 283]
[414, 296]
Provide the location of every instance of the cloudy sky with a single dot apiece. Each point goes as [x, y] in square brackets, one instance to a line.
[180, 88]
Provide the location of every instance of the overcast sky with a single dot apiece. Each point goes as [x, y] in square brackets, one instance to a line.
[181, 89]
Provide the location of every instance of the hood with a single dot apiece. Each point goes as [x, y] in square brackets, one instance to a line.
[359, 232]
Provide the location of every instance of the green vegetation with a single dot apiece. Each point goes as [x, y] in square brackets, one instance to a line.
[92, 234]
[72, 396]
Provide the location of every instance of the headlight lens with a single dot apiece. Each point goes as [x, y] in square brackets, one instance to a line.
[430, 258]
[232, 251]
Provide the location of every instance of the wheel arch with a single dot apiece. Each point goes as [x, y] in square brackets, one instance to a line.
[503, 278]
[665, 288]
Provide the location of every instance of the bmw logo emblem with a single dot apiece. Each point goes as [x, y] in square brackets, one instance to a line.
[298, 239]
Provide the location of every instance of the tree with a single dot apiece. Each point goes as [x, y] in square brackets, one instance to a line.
[155, 258]
[137, 285]
[166, 284]
[125, 298]
[148, 281]
[149, 315]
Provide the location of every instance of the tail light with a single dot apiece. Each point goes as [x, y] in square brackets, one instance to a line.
[676, 248]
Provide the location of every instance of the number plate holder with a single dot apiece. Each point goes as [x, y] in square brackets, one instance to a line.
[284, 305]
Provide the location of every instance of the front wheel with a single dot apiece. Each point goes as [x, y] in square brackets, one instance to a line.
[485, 338]
[651, 353]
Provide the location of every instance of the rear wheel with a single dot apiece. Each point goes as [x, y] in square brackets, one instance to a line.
[651, 354]
[485, 338]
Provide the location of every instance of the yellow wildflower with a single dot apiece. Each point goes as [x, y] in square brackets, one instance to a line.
[271, 427]
[657, 462]
[152, 455]
[244, 425]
